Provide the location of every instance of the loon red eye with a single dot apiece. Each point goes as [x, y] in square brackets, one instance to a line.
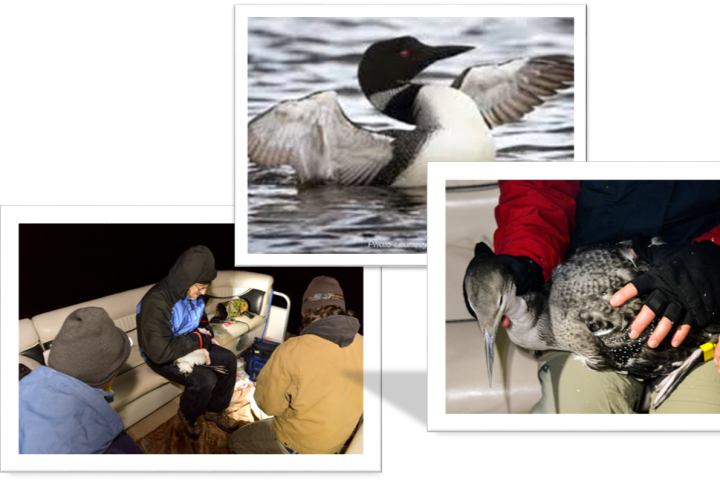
[404, 53]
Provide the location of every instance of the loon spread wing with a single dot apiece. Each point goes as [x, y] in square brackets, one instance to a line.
[314, 135]
[506, 92]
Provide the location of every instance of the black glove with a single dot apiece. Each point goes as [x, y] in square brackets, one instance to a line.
[685, 285]
[527, 274]
[205, 340]
[652, 252]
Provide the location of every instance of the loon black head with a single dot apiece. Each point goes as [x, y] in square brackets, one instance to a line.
[388, 66]
[489, 289]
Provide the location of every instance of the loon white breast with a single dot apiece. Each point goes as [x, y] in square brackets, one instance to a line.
[452, 122]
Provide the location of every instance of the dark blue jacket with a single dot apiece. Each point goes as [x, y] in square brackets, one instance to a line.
[677, 211]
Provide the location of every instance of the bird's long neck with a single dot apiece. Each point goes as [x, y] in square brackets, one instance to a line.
[396, 101]
[530, 318]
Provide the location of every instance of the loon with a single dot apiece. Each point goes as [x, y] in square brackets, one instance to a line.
[452, 122]
[572, 312]
[185, 364]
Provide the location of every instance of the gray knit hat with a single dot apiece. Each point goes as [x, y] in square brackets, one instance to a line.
[323, 291]
[89, 347]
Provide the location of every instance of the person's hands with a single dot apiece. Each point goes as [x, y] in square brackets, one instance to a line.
[645, 318]
[207, 357]
[205, 339]
[206, 328]
[684, 288]
[717, 356]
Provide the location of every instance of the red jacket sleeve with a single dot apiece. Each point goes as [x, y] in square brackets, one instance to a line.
[536, 219]
[713, 235]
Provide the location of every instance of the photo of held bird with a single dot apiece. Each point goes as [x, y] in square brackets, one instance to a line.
[572, 312]
[200, 358]
[451, 122]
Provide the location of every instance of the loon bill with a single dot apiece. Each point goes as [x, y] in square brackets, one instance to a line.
[452, 122]
[572, 312]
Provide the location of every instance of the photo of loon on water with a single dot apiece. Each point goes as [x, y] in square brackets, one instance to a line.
[344, 115]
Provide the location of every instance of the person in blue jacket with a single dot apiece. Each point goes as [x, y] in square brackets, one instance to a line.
[64, 408]
[170, 325]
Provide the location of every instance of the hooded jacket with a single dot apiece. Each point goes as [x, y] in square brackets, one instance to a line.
[61, 414]
[166, 316]
[313, 385]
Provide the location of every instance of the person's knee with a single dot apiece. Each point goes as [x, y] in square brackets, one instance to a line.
[203, 379]
[582, 390]
[568, 386]
[223, 356]
[698, 393]
[241, 439]
[236, 440]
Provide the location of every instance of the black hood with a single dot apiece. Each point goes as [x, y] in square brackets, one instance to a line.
[339, 329]
[195, 265]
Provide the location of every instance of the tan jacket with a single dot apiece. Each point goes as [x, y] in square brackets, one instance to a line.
[314, 388]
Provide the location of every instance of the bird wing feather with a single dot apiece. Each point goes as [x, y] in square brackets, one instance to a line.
[316, 138]
[579, 303]
[581, 290]
[506, 92]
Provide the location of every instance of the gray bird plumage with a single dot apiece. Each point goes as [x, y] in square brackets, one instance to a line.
[572, 312]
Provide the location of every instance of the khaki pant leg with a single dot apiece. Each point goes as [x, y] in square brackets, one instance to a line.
[698, 393]
[568, 386]
[256, 438]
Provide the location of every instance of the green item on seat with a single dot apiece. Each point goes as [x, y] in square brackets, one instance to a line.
[232, 309]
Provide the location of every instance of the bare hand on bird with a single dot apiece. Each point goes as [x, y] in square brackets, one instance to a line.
[207, 354]
[683, 287]
[645, 318]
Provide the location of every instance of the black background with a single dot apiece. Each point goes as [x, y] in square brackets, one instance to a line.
[65, 264]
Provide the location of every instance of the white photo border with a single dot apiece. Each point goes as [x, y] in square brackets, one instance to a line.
[10, 219]
[438, 174]
[245, 11]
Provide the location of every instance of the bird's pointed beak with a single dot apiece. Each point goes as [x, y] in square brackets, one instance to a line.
[490, 353]
[490, 334]
[439, 53]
